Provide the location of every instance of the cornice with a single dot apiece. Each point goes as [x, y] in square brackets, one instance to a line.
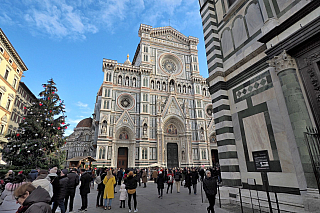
[12, 51]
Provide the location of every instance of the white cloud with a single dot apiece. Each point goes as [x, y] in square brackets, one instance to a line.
[82, 105]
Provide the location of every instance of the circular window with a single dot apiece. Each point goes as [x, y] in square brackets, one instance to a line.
[125, 101]
[170, 64]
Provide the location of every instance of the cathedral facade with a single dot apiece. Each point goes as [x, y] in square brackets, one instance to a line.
[156, 109]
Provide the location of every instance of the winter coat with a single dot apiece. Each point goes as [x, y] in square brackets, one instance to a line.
[177, 176]
[195, 177]
[73, 180]
[144, 177]
[32, 175]
[109, 187]
[131, 182]
[85, 183]
[201, 173]
[54, 180]
[160, 181]
[120, 175]
[44, 183]
[210, 185]
[101, 185]
[9, 204]
[154, 174]
[168, 178]
[39, 200]
[123, 192]
[188, 179]
[63, 184]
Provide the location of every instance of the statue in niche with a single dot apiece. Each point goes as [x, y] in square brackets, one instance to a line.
[104, 127]
[145, 128]
[134, 82]
[201, 133]
[183, 155]
[184, 89]
[158, 85]
[120, 80]
[152, 84]
[127, 81]
[164, 86]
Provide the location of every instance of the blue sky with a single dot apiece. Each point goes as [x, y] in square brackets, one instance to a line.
[67, 40]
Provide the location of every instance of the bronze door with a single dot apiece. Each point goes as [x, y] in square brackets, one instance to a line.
[172, 155]
[122, 161]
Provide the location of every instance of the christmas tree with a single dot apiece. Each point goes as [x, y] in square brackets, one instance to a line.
[40, 135]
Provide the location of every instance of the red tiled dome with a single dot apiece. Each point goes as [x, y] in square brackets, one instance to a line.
[87, 122]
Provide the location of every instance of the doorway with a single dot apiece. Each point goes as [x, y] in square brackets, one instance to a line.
[122, 161]
[172, 155]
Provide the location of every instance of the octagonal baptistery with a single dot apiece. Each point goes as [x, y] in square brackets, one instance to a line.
[155, 109]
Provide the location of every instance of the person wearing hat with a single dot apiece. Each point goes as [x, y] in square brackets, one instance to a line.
[71, 188]
[42, 181]
[63, 183]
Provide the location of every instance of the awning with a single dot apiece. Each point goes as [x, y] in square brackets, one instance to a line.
[82, 158]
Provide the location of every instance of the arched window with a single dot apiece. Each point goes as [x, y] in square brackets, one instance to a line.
[127, 81]
[171, 85]
[152, 84]
[204, 93]
[189, 89]
[144, 153]
[164, 86]
[179, 88]
[102, 153]
[134, 82]
[184, 89]
[172, 129]
[158, 85]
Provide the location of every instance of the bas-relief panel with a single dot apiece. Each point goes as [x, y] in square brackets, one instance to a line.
[256, 134]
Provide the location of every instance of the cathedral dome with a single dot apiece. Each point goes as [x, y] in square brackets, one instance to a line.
[87, 122]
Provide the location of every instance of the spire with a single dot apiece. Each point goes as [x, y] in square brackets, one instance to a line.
[127, 62]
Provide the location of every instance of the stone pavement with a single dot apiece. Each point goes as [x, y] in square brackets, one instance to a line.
[148, 201]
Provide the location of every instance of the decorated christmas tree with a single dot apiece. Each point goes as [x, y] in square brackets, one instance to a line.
[40, 135]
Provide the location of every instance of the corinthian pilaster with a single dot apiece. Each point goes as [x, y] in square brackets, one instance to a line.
[282, 62]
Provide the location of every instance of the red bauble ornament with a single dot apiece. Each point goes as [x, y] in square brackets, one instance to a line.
[65, 142]
[40, 104]
[24, 107]
[51, 124]
[50, 111]
[63, 123]
[48, 98]
[52, 92]
[23, 118]
[17, 134]
[66, 127]
[58, 127]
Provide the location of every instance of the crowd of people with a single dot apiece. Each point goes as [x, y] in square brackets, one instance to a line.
[43, 191]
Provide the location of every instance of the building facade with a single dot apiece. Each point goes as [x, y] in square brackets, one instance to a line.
[11, 70]
[263, 64]
[24, 99]
[156, 109]
[80, 142]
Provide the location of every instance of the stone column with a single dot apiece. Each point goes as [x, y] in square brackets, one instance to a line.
[285, 68]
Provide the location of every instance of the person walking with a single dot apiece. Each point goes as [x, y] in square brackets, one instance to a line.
[123, 195]
[194, 180]
[170, 180]
[85, 180]
[71, 189]
[144, 178]
[9, 204]
[160, 184]
[131, 185]
[99, 181]
[177, 178]
[210, 188]
[119, 176]
[63, 183]
[32, 200]
[155, 175]
[109, 182]
[188, 180]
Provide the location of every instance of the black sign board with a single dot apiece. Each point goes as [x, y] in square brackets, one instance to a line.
[261, 160]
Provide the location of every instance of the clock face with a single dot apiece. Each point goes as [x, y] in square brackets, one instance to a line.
[169, 66]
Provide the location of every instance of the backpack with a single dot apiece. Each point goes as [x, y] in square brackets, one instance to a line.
[98, 179]
[170, 179]
[177, 177]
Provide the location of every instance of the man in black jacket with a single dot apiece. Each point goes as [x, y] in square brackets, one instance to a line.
[210, 188]
[194, 180]
[71, 189]
[84, 189]
[63, 183]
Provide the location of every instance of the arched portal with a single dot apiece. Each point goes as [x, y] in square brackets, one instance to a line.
[124, 148]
